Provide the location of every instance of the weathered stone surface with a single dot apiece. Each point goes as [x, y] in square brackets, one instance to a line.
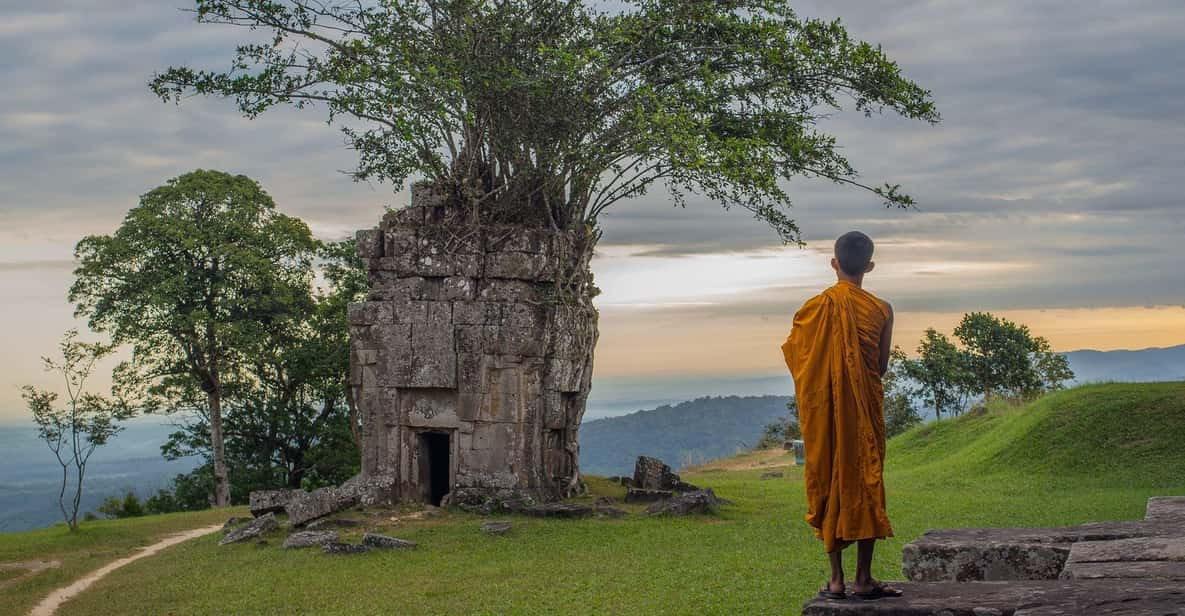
[1168, 570]
[233, 522]
[470, 335]
[269, 501]
[1130, 550]
[700, 501]
[559, 510]
[653, 474]
[386, 543]
[1028, 598]
[368, 491]
[639, 495]
[305, 507]
[370, 243]
[609, 511]
[1166, 509]
[496, 527]
[772, 475]
[309, 538]
[263, 524]
[325, 523]
[335, 547]
[987, 554]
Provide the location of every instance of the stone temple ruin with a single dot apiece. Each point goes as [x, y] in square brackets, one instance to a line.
[471, 358]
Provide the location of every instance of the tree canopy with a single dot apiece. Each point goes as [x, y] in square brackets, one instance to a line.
[546, 112]
[195, 274]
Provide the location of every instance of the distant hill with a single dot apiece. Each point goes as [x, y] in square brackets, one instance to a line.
[1167, 364]
[680, 435]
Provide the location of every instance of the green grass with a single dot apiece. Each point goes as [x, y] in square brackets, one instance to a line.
[93, 545]
[1091, 454]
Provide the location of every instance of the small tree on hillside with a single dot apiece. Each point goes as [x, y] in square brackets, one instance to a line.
[188, 279]
[900, 413]
[1005, 359]
[939, 375]
[85, 422]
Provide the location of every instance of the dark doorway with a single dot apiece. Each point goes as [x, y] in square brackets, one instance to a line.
[434, 466]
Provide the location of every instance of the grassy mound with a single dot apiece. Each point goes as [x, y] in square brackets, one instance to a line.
[1091, 454]
[1107, 434]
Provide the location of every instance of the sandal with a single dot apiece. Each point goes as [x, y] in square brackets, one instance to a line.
[879, 591]
[827, 593]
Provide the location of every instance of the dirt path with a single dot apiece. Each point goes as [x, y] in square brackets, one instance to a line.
[50, 604]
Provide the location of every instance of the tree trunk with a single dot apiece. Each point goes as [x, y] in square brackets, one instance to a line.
[221, 478]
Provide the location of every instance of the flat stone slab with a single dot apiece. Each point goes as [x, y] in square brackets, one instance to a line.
[1166, 570]
[1030, 598]
[384, 542]
[269, 501]
[1002, 554]
[1129, 550]
[640, 495]
[559, 510]
[309, 538]
[263, 524]
[496, 527]
[1166, 509]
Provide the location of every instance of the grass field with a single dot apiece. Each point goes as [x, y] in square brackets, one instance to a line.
[1093, 453]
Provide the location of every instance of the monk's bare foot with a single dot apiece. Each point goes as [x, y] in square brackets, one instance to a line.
[834, 589]
[873, 589]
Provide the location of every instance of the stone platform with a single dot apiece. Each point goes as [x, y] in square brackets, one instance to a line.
[1108, 568]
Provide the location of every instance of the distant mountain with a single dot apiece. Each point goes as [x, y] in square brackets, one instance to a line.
[680, 435]
[1167, 364]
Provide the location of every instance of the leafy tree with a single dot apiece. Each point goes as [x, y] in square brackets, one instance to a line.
[289, 419]
[900, 413]
[85, 422]
[189, 279]
[546, 112]
[127, 507]
[939, 375]
[774, 435]
[1005, 359]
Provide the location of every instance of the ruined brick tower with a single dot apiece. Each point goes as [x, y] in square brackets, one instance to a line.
[471, 359]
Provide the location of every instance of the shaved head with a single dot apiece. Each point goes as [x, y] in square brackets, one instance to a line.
[853, 250]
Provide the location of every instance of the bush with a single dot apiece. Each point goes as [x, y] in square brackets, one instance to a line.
[127, 507]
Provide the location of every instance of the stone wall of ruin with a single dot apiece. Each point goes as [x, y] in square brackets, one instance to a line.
[484, 333]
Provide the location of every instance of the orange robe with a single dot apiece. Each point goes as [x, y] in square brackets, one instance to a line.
[833, 353]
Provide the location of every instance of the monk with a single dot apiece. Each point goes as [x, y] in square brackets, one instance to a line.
[837, 352]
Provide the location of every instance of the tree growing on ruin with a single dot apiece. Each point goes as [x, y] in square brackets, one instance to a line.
[547, 112]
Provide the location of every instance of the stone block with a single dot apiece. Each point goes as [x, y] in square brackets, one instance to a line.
[555, 415]
[458, 288]
[520, 266]
[1164, 570]
[1135, 549]
[265, 523]
[698, 502]
[433, 359]
[409, 215]
[429, 408]
[370, 313]
[335, 547]
[384, 542]
[476, 313]
[503, 290]
[425, 194]
[560, 510]
[394, 354]
[468, 406]
[269, 501]
[309, 538]
[565, 375]
[409, 311]
[520, 239]
[370, 243]
[642, 495]
[1166, 509]
[493, 436]
[308, 506]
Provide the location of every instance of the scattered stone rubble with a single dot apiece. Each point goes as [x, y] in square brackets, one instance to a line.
[263, 524]
[1103, 569]
[309, 538]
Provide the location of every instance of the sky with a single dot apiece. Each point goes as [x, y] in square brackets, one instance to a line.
[1050, 193]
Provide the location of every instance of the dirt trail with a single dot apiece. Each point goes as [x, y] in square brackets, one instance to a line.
[50, 604]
